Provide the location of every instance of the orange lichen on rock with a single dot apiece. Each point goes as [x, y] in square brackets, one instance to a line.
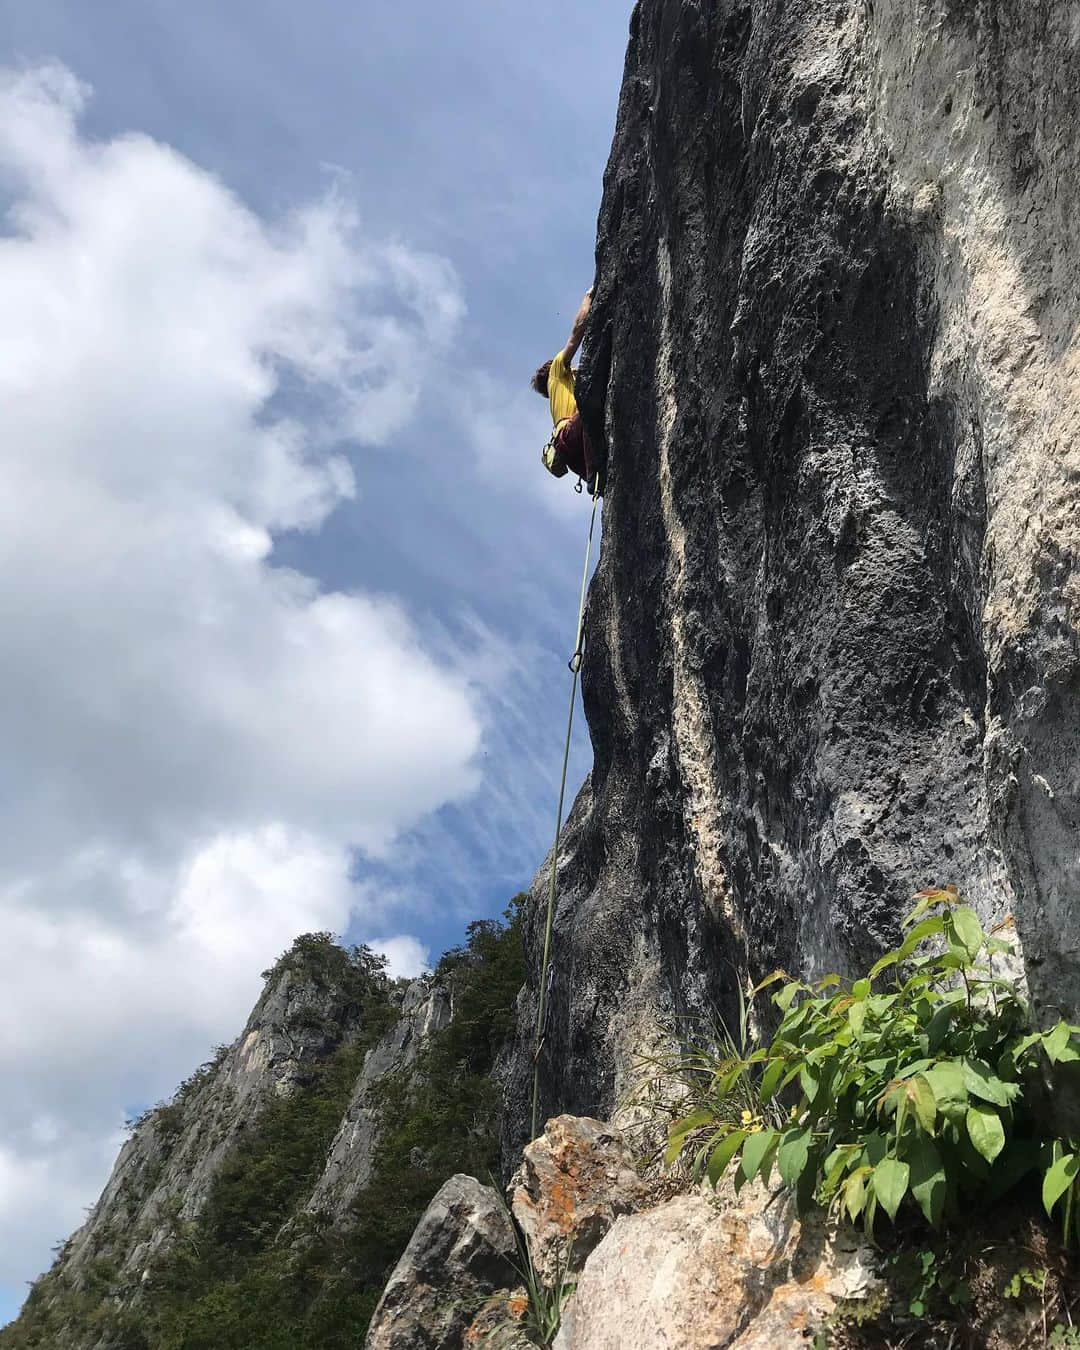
[575, 1180]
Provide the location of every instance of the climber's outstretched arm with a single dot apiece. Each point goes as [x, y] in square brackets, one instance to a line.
[573, 342]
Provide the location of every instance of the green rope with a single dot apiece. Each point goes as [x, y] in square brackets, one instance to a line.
[575, 666]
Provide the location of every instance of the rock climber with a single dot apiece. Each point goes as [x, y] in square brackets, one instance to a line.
[569, 447]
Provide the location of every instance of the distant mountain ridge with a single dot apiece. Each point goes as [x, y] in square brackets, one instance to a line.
[263, 1206]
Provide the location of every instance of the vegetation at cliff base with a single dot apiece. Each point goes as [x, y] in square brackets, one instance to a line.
[255, 1270]
[920, 1094]
[925, 1093]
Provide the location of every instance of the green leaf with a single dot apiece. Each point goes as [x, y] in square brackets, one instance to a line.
[927, 900]
[808, 1081]
[889, 959]
[860, 990]
[792, 1154]
[784, 998]
[916, 1066]
[836, 1164]
[890, 1184]
[938, 1026]
[928, 1184]
[894, 1098]
[756, 1151]
[1023, 1045]
[694, 1121]
[855, 1193]
[915, 911]
[985, 1131]
[697, 1166]
[726, 1081]
[921, 1096]
[946, 1081]
[723, 1153]
[969, 931]
[981, 1082]
[682, 1129]
[1056, 1041]
[770, 1080]
[856, 1016]
[769, 979]
[1058, 1179]
[921, 931]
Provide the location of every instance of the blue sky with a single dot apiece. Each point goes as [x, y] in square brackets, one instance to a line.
[320, 427]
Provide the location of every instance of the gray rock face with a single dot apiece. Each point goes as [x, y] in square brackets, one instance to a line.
[832, 640]
[458, 1256]
[425, 1010]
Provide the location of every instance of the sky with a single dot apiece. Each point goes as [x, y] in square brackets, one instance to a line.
[289, 597]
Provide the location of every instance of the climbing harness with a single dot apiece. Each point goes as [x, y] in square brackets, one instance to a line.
[553, 456]
[547, 973]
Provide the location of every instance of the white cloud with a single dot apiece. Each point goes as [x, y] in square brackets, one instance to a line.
[195, 739]
[406, 957]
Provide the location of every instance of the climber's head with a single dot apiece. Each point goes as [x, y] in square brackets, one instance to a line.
[540, 379]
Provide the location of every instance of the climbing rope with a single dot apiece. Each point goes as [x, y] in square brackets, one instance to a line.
[545, 971]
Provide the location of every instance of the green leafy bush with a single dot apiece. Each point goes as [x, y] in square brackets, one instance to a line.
[914, 1086]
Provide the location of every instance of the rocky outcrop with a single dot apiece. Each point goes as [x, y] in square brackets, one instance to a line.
[834, 354]
[271, 1197]
[425, 1009]
[461, 1252]
[632, 1262]
[316, 1003]
[166, 1169]
[702, 1273]
[699, 1271]
[574, 1181]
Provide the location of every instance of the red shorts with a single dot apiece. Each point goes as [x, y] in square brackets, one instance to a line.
[573, 445]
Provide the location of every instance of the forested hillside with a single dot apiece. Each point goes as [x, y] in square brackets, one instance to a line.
[219, 1230]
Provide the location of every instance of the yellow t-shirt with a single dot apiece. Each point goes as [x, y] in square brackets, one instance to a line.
[561, 389]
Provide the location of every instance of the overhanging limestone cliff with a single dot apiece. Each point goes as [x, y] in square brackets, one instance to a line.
[833, 633]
